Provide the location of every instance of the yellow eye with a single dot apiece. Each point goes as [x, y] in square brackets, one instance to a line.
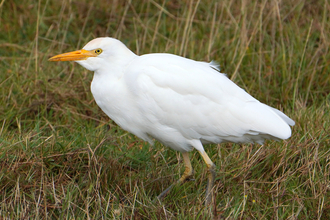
[98, 51]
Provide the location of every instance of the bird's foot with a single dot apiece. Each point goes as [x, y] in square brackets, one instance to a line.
[167, 190]
[187, 175]
[210, 185]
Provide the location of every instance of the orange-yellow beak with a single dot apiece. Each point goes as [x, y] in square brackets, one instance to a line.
[73, 56]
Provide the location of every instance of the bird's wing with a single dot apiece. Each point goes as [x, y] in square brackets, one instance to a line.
[198, 102]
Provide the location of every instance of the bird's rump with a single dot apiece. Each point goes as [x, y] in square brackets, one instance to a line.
[196, 101]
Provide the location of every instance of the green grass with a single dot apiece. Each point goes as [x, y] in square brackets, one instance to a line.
[62, 158]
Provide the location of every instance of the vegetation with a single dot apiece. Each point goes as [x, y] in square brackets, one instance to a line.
[62, 158]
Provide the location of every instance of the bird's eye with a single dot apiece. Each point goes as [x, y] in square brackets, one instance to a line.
[98, 51]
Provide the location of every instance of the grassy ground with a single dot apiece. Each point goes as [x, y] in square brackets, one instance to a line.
[62, 158]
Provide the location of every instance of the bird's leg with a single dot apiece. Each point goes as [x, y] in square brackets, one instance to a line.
[211, 177]
[188, 172]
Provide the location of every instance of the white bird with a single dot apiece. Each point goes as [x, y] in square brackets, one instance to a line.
[178, 101]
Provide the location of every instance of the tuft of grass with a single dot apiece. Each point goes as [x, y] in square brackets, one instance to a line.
[62, 158]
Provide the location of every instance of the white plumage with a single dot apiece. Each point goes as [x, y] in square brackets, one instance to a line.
[178, 101]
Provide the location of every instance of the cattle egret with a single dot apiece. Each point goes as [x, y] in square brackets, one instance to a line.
[178, 101]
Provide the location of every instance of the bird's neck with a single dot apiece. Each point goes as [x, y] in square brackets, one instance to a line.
[116, 66]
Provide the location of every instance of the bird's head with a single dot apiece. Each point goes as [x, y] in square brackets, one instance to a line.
[97, 54]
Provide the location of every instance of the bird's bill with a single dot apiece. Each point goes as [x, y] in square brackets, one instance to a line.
[73, 56]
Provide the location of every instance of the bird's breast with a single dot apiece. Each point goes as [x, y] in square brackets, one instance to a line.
[115, 100]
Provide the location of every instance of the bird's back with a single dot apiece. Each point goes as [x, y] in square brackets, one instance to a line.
[180, 99]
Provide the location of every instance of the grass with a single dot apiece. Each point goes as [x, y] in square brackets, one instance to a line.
[62, 158]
